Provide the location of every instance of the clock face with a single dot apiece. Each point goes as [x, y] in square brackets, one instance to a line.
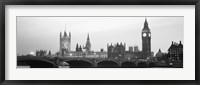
[144, 34]
[149, 35]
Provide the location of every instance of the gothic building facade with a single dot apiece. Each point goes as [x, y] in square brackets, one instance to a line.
[41, 53]
[65, 43]
[175, 52]
[116, 51]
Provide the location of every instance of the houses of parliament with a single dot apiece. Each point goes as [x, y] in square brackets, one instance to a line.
[117, 51]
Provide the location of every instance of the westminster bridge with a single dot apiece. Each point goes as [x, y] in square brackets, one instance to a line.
[82, 62]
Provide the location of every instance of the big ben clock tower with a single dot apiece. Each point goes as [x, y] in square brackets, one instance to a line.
[146, 40]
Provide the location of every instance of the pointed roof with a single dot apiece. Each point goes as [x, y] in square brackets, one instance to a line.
[159, 53]
[88, 44]
[146, 27]
[145, 23]
[77, 47]
[88, 38]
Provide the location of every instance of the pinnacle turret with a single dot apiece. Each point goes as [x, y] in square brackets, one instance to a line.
[65, 34]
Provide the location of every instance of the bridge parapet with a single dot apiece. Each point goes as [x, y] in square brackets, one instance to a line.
[93, 61]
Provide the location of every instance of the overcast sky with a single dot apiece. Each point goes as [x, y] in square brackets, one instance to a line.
[34, 33]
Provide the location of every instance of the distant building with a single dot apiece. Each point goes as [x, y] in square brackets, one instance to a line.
[96, 55]
[175, 52]
[101, 54]
[76, 54]
[117, 51]
[65, 43]
[130, 49]
[41, 53]
[132, 55]
[136, 49]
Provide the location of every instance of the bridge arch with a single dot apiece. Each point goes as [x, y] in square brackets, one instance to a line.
[152, 64]
[107, 64]
[79, 63]
[128, 64]
[34, 63]
[142, 64]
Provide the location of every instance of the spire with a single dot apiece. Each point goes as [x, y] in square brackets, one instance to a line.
[145, 19]
[80, 48]
[65, 34]
[88, 44]
[77, 47]
[88, 38]
[146, 24]
[159, 50]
